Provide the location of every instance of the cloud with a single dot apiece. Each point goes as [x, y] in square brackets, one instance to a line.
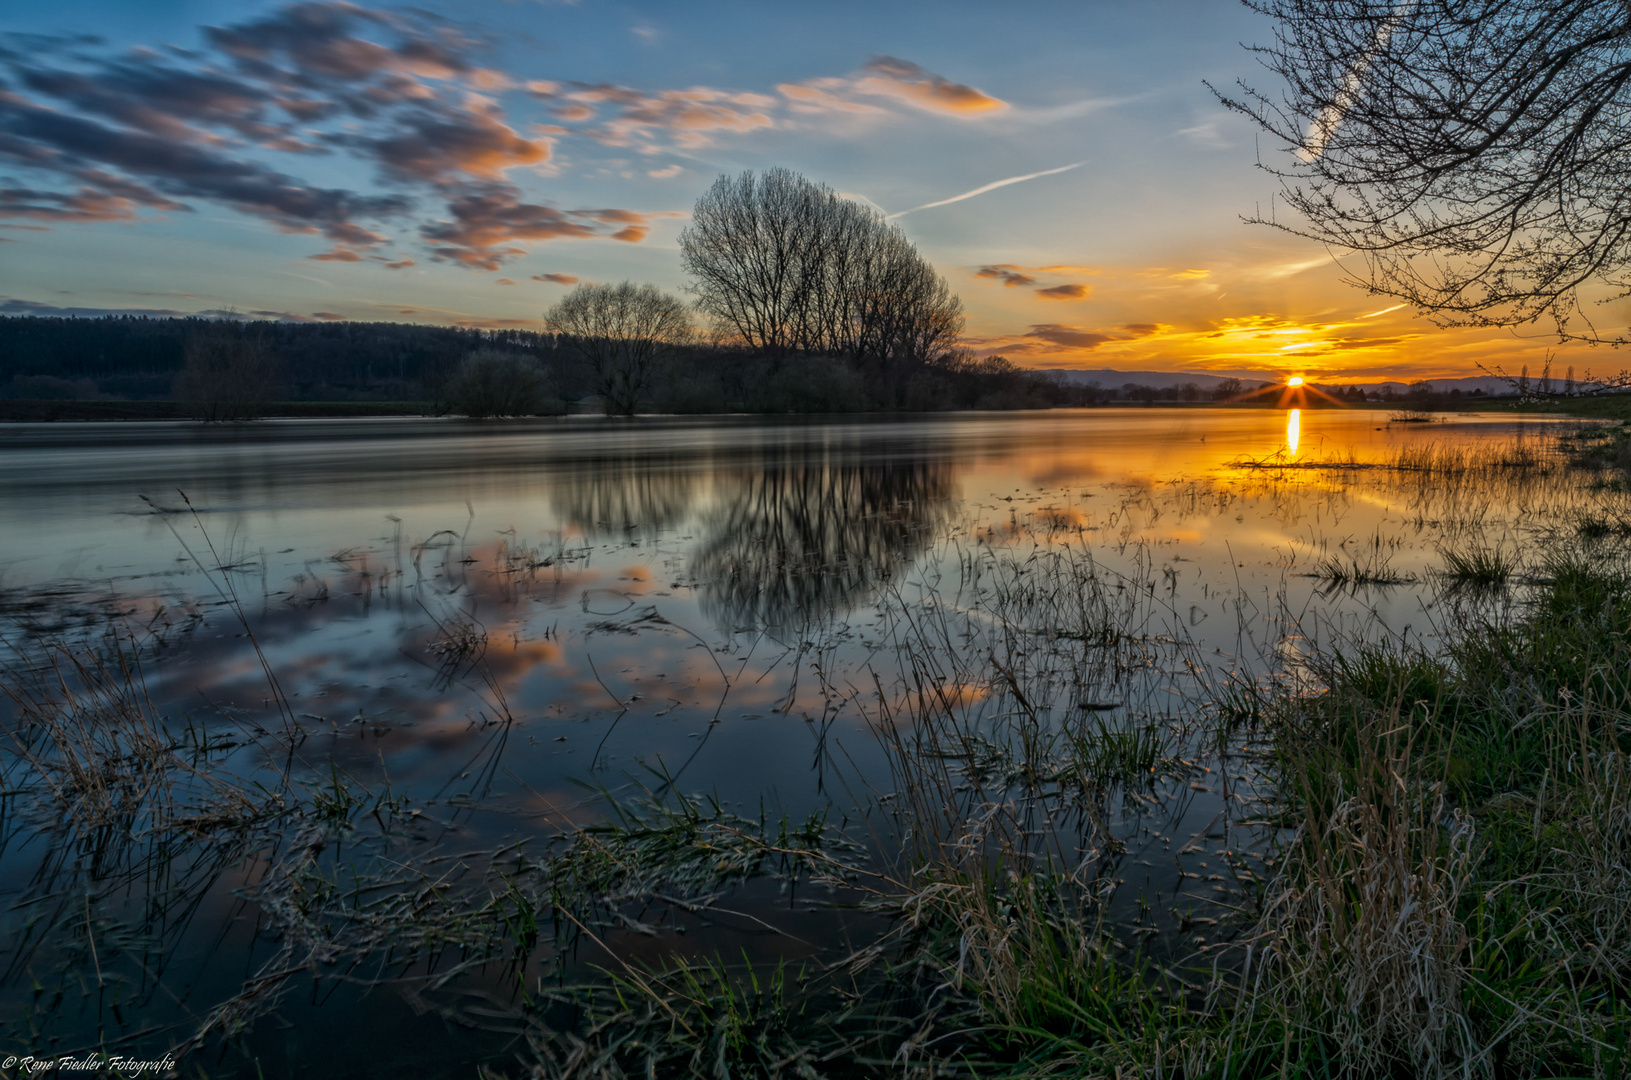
[85, 204]
[400, 264]
[324, 42]
[643, 119]
[1068, 336]
[327, 316]
[635, 225]
[504, 281]
[825, 96]
[114, 134]
[1007, 273]
[890, 76]
[487, 224]
[1014, 276]
[448, 317]
[435, 145]
[79, 147]
[557, 279]
[994, 185]
[12, 306]
[1053, 338]
[666, 173]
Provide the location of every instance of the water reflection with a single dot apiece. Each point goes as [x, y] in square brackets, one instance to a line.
[477, 659]
[631, 497]
[792, 543]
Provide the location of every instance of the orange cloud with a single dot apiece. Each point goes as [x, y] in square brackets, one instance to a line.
[1064, 292]
[691, 116]
[557, 279]
[472, 141]
[824, 95]
[1073, 337]
[887, 75]
[489, 222]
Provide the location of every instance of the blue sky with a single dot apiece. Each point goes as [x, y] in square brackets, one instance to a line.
[467, 163]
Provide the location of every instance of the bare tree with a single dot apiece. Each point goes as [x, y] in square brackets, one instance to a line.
[228, 372]
[623, 331]
[783, 264]
[493, 382]
[1475, 153]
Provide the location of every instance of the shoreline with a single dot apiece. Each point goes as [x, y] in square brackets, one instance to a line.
[35, 412]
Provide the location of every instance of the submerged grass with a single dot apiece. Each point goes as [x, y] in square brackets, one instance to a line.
[1476, 567]
[1445, 887]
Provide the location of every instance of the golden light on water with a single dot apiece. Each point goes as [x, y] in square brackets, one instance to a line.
[1295, 380]
[1294, 428]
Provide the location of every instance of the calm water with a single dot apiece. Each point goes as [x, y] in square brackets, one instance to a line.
[690, 606]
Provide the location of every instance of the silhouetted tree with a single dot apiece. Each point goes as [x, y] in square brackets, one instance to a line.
[492, 382]
[783, 264]
[623, 332]
[1476, 153]
[227, 373]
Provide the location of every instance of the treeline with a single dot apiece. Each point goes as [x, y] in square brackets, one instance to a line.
[1235, 391]
[125, 358]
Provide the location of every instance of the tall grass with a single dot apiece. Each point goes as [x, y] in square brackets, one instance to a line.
[1423, 854]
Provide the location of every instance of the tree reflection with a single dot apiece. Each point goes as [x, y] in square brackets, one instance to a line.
[792, 543]
[631, 498]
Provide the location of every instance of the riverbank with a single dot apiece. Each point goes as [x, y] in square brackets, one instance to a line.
[34, 412]
[30, 412]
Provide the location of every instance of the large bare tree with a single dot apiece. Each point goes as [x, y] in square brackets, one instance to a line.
[229, 372]
[623, 331]
[784, 264]
[1476, 154]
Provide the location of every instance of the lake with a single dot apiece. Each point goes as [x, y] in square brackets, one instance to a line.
[394, 655]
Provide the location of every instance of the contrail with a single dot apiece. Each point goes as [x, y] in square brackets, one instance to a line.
[982, 190]
[1323, 128]
[1384, 311]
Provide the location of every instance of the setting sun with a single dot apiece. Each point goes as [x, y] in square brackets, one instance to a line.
[1295, 380]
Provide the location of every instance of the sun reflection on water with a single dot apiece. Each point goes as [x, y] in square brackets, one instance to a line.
[1294, 429]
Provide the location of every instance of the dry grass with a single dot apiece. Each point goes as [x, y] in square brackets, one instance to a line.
[1361, 943]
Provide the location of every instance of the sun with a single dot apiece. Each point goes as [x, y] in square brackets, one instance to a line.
[1295, 380]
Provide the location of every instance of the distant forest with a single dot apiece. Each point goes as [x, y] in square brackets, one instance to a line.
[134, 359]
[127, 358]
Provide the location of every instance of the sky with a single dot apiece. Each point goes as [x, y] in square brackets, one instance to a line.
[1063, 165]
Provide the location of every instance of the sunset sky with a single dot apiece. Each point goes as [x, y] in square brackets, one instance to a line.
[1062, 164]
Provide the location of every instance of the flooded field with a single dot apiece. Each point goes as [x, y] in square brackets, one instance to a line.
[573, 748]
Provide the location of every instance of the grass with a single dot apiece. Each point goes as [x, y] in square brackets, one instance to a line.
[1423, 864]
[1450, 897]
[1477, 568]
